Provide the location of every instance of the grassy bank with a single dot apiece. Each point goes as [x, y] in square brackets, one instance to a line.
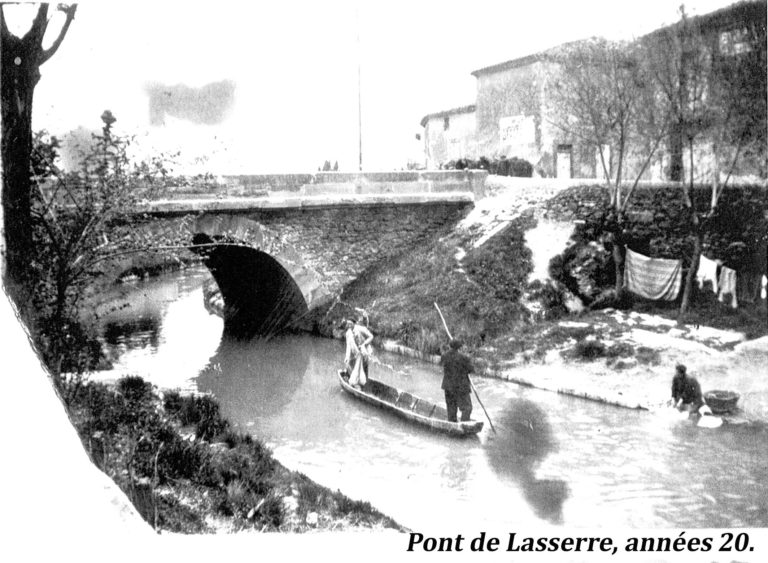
[478, 290]
[187, 471]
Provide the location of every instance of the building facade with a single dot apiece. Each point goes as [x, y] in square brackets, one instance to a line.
[449, 135]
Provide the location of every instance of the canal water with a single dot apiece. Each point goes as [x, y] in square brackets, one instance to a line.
[555, 460]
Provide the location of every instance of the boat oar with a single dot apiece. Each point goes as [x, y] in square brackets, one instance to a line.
[472, 385]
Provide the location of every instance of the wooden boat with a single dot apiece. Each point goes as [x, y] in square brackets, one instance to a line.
[410, 407]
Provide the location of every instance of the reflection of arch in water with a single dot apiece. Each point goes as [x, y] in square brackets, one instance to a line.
[523, 441]
[254, 379]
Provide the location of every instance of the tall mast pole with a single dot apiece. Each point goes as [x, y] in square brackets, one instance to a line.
[359, 94]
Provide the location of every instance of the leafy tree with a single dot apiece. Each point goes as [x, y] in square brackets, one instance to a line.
[21, 61]
[78, 223]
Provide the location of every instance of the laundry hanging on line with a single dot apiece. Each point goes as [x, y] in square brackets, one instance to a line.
[707, 272]
[652, 278]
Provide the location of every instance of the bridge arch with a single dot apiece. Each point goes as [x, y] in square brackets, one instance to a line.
[264, 282]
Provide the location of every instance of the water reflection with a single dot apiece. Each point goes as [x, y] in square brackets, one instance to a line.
[255, 379]
[524, 440]
[140, 332]
[457, 467]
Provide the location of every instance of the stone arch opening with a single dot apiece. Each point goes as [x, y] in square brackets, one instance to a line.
[261, 298]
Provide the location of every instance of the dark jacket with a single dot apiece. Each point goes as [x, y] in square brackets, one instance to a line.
[456, 369]
[688, 389]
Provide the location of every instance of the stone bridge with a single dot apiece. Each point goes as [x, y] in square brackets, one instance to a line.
[284, 246]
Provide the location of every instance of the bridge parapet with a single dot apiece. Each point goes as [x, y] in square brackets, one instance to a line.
[410, 182]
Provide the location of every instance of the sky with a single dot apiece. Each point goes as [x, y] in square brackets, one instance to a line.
[286, 73]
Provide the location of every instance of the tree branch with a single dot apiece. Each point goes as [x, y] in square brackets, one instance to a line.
[34, 36]
[3, 26]
[69, 10]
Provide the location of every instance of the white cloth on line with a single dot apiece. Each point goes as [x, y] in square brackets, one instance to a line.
[728, 286]
[652, 278]
[762, 291]
[707, 272]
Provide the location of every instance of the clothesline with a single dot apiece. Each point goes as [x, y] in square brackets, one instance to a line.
[660, 279]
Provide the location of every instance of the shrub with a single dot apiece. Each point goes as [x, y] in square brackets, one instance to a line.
[233, 438]
[172, 402]
[271, 511]
[181, 459]
[175, 516]
[620, 350]
[551, 297]
[134, 389]
[589, 349]
[202, 412]
[210, 423]
[502, 166]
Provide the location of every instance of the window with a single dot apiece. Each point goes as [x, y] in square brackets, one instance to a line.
[446, 123]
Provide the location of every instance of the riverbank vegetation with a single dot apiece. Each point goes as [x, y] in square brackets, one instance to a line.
[187, 471]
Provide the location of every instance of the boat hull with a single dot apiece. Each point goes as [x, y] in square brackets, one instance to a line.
[410, 407]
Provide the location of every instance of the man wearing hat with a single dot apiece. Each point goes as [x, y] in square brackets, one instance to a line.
[456, 384]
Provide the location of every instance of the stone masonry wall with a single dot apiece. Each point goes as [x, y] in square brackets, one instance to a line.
[658, 221]
[341, 243]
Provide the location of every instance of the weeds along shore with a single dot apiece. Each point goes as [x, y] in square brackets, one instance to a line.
[187, 471]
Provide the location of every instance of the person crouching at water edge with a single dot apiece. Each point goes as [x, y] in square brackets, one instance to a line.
[686, 393]
[358, 352]
[456, 384]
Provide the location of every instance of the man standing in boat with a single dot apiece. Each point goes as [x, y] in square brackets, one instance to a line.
[456, 384]
[358, 339]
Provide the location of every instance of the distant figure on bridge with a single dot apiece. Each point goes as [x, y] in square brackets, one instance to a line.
[358, 352]
[686, 392]
[456, 384]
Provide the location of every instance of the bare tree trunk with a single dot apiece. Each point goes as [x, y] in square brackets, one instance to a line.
[715, 175]
[688, 288]
[676, 153]
[20, 74]
[697, 243]
[20, 60]
[618, 264]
